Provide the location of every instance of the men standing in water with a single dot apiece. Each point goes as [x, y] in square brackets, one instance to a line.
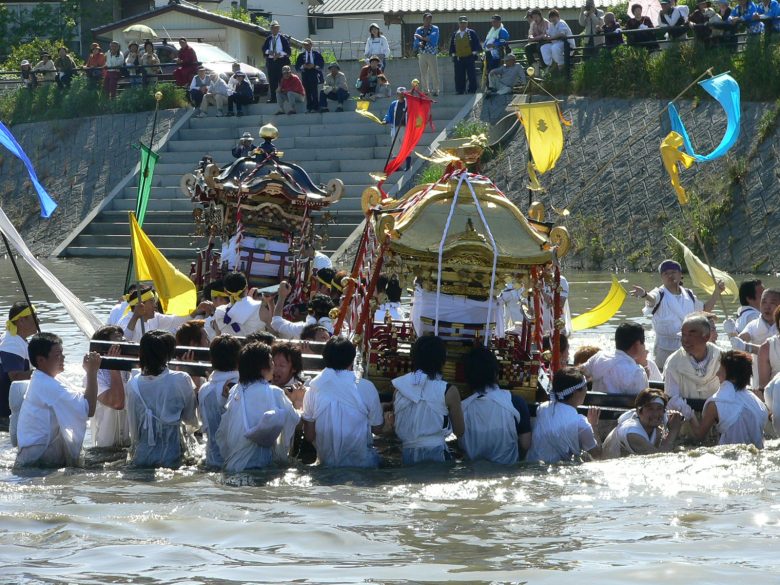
[242, 315]
[668, 305]
[621, 371]
[14, 362]
[144, 316]
[53, 417]
[750, 293]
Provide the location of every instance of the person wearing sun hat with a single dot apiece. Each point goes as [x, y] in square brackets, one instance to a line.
[334, 88]
[276, 49]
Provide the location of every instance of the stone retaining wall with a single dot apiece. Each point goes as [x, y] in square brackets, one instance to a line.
[79, 161]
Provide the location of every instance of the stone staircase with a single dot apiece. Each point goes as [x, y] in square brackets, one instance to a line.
[329, 145]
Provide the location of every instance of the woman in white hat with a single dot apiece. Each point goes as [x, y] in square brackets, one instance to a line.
[377, 44]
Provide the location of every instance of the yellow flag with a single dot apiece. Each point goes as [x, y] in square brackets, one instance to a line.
[700, 272]
[176, 291]
[533, 180]
[602, 312]
[671, 155]
[369, 115]
[542, 123]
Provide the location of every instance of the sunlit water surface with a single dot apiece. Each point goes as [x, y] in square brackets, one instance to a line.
[700, 516]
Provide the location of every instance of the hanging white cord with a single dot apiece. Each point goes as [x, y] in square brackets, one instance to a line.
[441, 248]
[495, 260]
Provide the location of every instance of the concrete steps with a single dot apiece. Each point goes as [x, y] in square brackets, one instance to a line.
[327, 145]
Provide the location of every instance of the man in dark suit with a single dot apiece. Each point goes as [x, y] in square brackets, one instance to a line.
[277, 54]
[309, 64]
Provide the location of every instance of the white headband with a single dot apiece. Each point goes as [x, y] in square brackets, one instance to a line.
[561, 394]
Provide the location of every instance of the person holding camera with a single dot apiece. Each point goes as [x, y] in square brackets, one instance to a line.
[426, 45]
[592, 23]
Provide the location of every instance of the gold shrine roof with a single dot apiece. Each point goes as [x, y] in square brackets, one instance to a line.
[418, 220]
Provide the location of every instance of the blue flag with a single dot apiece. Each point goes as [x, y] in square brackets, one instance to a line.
[48, 205]
[725, 89]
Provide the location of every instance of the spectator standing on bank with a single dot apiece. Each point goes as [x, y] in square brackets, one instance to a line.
[66, 68]
[673, 16]
[746, 12]
[592, 20]
[150, 63]
[277, 55]
[638, 21]
[132, 61]
[95, 64]
[377, 44]
[115, 60]
[188, 64]
[464, 48]
[495, 43]
[613, 36]
[334, 88]
[310, 64]
[46, 68]
[426, 45]
[769, 9]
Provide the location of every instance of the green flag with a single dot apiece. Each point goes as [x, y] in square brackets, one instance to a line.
[148, 162]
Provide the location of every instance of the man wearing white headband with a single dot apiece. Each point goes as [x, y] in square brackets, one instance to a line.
[560, 433]
[668, 305]
[641, 431]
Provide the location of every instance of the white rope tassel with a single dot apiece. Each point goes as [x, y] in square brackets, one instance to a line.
[441, 248]
[495, 260]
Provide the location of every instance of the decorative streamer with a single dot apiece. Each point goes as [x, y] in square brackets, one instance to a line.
[48, 205]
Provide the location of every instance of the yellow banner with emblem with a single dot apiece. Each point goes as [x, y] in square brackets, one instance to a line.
[543, 130]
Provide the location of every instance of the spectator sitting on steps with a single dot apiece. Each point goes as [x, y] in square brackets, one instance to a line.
[290, 92]
[199, 86]
[502, 80]
[368, 77]
[245, 146]
[242, 96]
[334, 88]
[217, 95]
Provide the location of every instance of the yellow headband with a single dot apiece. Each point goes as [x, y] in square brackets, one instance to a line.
[10, 325]
[218, 294]
[328, 284]
[234, 296]
[147, 296]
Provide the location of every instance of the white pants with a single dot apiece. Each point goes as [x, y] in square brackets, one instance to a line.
[429, 72]
[553, 52]
[288, 100]
[213, 99]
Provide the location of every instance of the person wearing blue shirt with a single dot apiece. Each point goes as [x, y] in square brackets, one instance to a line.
[744, 12]
[495, 43]
[426, 45]
[769, 10]
[396, 118]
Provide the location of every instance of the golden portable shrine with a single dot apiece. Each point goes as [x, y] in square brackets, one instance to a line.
[459, 244]
[262, 209]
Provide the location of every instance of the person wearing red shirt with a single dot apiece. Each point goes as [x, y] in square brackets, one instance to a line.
[95, 65]
[290, 91]
[188, 64]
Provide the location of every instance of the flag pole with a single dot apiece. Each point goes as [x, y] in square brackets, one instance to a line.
[144, 172]
[21, 282]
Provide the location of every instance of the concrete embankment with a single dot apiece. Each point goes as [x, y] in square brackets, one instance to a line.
[79, 161]
[611, 178]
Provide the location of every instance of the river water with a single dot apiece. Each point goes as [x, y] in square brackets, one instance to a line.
[709, 515]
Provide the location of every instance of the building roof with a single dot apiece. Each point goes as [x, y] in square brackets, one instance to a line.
[185, 9]
[328, 7]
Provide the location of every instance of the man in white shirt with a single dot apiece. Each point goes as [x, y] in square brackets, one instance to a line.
[53, 417]
[668, 305]
[319, 306]
[621, 371]
[759, 330]
[144, 316]
[558, 31]
[339, 413]
[242, 315]
[217, 95]
[750, 292]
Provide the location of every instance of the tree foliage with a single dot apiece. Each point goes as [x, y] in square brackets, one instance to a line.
[56, 20]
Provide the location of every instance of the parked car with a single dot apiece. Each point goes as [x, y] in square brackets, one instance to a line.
[213, 59]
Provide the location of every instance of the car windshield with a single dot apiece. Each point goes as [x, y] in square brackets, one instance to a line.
[210, 53]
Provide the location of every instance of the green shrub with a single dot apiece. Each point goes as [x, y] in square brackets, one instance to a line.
[48, 102]
[32, 52]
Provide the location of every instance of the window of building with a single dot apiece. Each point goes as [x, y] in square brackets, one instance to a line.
[324, 23]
